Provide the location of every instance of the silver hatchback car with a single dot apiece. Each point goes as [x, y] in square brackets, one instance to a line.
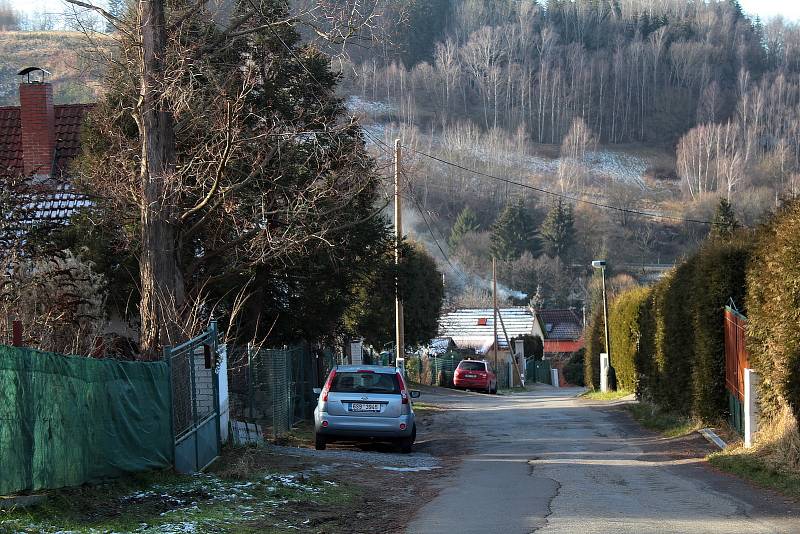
[365, 402]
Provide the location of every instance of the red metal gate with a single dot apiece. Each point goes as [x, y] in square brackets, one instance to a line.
[736, 361]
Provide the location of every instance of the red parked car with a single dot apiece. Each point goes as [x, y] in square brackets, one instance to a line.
[475, 374]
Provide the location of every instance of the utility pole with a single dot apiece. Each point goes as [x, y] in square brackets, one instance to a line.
[398, 240]
[494, 299]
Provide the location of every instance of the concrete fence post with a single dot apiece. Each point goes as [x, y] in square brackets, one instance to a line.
[751, 380]
[604, 372]
[554, 377]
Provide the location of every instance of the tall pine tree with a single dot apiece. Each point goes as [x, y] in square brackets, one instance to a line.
[466, 222]
[558, 230]
[514, 233]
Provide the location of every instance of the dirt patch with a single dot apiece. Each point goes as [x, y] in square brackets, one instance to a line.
[380, 493]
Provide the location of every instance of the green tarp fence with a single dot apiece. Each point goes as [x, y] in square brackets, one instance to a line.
[67, 420]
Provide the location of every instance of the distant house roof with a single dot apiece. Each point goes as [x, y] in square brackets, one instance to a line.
[68, 121]
[56, 200]
[474, 328]
[560, 325]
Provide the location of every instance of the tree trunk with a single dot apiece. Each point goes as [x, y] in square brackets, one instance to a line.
[162, 283]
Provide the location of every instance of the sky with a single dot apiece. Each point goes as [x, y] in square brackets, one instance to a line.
[766, 9]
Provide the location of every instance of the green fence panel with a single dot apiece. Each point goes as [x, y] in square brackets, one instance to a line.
[67, 420]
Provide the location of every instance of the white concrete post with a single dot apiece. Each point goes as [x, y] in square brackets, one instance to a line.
[224, 403]
[510, 374]
[604, 372]
[750, 406]
[554, 378]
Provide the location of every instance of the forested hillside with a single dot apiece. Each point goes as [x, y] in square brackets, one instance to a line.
[656, 106]
[72, 61]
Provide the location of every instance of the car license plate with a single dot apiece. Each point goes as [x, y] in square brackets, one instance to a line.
[362, 407]
[471, 376]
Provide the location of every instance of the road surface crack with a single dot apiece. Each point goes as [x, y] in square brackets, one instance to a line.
[549, 512]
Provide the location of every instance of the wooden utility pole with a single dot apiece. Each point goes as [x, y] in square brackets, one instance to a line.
[398, 240]
[494, 299]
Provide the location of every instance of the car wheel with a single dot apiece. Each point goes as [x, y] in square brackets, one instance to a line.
[494, 389]
[407, 444]
[489, 389]
[320, 442]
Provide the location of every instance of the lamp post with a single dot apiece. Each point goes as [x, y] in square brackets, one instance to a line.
[601, 264]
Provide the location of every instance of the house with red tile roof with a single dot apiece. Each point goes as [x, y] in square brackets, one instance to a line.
[561, 331]
[38, 140]
[562, 334]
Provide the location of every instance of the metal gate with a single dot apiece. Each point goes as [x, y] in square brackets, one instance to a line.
[538, 371]
[736, 361]
[194, 383]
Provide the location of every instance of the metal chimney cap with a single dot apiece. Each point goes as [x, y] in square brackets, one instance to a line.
[28, 70]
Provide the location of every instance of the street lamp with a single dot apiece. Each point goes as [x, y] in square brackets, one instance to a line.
[601, 264]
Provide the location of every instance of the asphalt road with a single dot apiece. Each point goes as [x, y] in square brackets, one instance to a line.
[547, 462]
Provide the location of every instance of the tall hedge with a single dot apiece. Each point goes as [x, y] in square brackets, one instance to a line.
[773, 306]
[595, 344]
[671, 375]
[631, 337]
[720, 275]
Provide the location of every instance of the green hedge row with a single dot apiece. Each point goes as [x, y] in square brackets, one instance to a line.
[773, 305]
[668, 341]
[595, 344]
[629, 316]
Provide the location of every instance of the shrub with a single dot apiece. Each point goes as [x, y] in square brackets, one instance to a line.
[719, 276]
[573, 370]
[671, 373]
[773, 306]
[595, 344]
[628, 313]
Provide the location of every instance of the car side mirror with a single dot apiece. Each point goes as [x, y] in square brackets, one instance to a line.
[415, 394]
[317, 391]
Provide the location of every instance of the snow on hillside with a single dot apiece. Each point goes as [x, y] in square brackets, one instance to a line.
[603, 163]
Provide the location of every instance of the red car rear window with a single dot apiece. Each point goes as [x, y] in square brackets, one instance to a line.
[472, 366]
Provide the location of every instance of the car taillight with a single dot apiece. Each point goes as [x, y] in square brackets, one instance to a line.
[327, 388]
[403, 392]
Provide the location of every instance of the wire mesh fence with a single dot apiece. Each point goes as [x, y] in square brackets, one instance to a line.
[274, 387]
[433, 370]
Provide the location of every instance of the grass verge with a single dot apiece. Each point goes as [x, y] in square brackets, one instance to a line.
[669, 424]
[166, 502]
[749, 466]
[605, 395]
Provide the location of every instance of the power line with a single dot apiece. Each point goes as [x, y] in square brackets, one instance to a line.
[430, 228]
[388, 151]
[559, 195]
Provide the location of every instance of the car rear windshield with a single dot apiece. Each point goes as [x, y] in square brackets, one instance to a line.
[365, 383]
[472, 366]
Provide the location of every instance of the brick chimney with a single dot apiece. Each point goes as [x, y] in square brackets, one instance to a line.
[38, 119]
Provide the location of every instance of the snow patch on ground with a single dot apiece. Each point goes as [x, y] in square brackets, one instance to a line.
[356, 104]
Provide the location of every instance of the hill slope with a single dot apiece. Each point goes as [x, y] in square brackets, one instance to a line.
[75, 74]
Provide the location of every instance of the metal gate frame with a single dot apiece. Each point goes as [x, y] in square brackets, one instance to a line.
[736, 361]
[197, 436]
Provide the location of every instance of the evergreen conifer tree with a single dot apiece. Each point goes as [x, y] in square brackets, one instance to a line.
[558, 230]
[724, 223]
[466, 222]
[514, 233]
